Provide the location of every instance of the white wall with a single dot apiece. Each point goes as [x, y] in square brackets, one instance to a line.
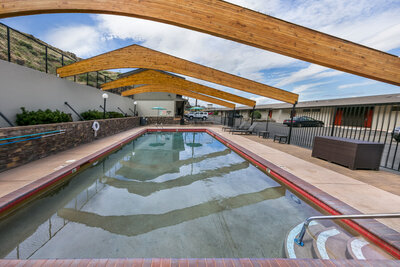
[145, 108]
[24, 87]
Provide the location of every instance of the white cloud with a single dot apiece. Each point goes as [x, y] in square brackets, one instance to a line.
[351, 85]
[304, 87]
[311, 72]
[85, 41]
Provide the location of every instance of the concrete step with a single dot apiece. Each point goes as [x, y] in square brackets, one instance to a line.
[331, 243]
[293, 250]
[360, 249]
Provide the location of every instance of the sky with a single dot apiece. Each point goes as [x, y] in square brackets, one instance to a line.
[375, 24]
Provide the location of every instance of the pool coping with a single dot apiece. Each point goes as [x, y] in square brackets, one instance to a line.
[380, 234]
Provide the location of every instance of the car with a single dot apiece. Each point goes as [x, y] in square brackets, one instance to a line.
[304, 121]
[396, 134]
[197, 115]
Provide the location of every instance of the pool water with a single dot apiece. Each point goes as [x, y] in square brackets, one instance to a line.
[180, 195]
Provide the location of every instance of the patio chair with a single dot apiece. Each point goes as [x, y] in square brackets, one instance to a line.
[250, 130]
[240, 127]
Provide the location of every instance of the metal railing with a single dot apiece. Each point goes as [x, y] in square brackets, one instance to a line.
[16, 47]
[299, 239]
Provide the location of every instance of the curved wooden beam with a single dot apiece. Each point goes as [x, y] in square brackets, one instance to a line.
[173, 90]
[136, 56]
[235, 23]
[160, 78]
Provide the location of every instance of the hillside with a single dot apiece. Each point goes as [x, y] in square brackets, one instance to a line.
[29, 51]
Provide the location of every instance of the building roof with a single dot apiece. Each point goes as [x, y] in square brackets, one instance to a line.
[350, 101]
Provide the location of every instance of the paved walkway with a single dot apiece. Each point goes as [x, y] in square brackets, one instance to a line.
[356, 193]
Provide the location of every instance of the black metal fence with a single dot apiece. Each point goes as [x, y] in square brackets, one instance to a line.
[26, 50]
[375, 123]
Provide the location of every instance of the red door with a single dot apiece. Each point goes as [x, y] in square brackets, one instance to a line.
[338, 117]
[368, 118]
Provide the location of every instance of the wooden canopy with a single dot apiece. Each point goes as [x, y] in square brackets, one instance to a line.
[136, 56]
[235, 23]
[175, 90]
[160, 78]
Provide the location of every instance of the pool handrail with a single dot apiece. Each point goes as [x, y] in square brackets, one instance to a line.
[299, 239]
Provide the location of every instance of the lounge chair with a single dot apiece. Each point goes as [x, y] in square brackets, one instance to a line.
[250, 130]
[240, 127]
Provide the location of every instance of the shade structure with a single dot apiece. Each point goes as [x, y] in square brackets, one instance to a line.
[235, 23]
[136, 56]
[165, 79]
[174, 90]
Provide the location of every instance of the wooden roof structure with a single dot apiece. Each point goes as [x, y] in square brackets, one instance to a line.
[233, 22]
[175, 90]
[163, 79]
[136, 56]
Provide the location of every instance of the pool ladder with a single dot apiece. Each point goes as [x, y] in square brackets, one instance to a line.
[299, 239]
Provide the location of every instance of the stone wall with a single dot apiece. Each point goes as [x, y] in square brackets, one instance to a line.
[162, 120]
[76, 133]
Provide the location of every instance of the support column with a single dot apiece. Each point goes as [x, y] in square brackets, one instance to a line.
[233, 117]
[8, 45]
[252, 115]
[291, 122]
[333, 122]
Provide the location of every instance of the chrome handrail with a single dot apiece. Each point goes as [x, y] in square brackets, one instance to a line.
[299, 239]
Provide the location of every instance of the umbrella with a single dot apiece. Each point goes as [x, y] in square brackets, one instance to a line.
[158, 113]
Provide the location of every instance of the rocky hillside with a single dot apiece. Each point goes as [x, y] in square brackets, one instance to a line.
[29, 51]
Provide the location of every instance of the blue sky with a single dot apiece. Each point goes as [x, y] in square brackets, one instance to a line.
[372, 23]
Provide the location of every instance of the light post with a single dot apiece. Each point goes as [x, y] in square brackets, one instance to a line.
[105, 96]
[134, 108]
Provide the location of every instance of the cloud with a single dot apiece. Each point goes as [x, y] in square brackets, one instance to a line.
[351, 85]
[311, 72]
[83, 40]
[304, 87]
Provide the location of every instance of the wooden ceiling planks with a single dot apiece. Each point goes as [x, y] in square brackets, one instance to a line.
[136, 56]
[175, 90]
[235, 23]
[160, 78]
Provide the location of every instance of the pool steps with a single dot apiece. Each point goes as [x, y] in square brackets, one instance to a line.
[329, 243]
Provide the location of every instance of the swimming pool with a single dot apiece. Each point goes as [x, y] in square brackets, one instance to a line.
[165, 194]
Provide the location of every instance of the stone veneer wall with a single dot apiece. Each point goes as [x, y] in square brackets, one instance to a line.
[76, 133]
[162, 120]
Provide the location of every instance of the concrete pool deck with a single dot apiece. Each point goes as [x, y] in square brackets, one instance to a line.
[360, 195]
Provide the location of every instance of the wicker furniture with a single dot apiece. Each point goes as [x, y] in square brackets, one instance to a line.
[354, 154]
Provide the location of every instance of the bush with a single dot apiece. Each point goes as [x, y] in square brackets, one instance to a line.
[98, 115]
[41, 117]
[257, 115]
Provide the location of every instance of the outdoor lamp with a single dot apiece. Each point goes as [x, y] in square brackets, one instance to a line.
[105, 96]
[134, 108]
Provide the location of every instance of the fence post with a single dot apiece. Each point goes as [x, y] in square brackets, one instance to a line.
[47, 68]
[8, 44]
[291, 122]
[333, 122]
[62, 59]
[87, 78]
[97, 79]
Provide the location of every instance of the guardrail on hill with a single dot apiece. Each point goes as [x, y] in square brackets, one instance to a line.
[17, 47]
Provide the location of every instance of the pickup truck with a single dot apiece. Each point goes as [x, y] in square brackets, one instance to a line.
[197, 115]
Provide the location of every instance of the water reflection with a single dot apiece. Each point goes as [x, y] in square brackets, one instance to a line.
[132, 225]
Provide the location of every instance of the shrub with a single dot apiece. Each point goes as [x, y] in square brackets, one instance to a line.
[41, 117]
[98, 115]
[25, 44]
[92, 115]
[257, 115]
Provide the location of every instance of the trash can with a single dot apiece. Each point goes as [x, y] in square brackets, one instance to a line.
[143, 121]
[396, 134]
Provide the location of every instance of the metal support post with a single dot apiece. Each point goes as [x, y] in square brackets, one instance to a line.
[291, 122]
[252, 115]
[47, 66]
[8, 44]
[333, 122]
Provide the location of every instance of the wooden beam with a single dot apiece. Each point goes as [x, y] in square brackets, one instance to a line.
[235, 23]
[136, 56]
[173, 90]
[160, 78]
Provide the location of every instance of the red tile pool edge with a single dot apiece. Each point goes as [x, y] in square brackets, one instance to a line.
[310, 192]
